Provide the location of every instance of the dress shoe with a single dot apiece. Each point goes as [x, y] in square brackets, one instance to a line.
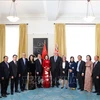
[22, 90]
[82, 89]
[62, 87]
[12, 93]
[17, 91]
[79, 88]
[98, 93]
[7, 93]
[52, 85]
[0, 96]
[94, 92]
[57, 86]
[4, 95]
[66, 88]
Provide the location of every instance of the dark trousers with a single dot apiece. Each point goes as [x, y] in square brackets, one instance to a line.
[0, 85]
[23, 80]
[55, 79]
[14, 81]
[96, 84]
[4, 85]
[80, 80]
[38, 80]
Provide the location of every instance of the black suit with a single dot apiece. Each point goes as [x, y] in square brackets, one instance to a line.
[5, 72]
[0, 75]
[95, 73]
[40, 70]
[23, 69]
[79, 75]
[14, 73]
[55, 70]
[65, 70]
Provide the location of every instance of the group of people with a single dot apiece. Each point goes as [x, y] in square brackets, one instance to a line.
[44, 73]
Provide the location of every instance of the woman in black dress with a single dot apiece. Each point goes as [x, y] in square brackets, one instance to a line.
[31, 70]
[64, 65]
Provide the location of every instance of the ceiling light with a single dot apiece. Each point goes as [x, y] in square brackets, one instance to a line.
[13, 14]
[90, 14]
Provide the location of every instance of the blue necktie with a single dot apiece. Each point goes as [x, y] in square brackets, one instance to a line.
[24, 61]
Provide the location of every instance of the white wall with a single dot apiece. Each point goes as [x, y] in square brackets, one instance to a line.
[50, 42]
[41, 29]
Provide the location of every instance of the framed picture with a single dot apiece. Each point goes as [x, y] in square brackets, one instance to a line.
[38, 44]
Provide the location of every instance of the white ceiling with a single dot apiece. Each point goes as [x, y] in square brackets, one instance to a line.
[51, 9]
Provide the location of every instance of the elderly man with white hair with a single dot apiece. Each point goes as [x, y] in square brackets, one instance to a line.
[55, 68]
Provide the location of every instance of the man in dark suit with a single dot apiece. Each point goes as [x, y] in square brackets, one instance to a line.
[55, 68]
[14, 74]
[39, 70]
[80, 72]
[96, 75]
[5, 73]
[23, 69]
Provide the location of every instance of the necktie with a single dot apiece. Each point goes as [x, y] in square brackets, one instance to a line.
[24, 61]
[55, 58]
[78, 66]
[95, 64]
[7, 64]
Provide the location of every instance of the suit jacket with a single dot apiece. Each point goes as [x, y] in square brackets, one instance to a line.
[0, 70]
[38, 66]
[55, 66]
[13, 69]
[96, 70]
[64, 69]
[82, 67]
[5, 71]
[22, 69]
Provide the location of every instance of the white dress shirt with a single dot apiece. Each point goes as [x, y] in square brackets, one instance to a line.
[63, 65]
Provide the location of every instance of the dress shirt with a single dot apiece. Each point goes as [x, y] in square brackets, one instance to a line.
[63, 65]
[78, 65]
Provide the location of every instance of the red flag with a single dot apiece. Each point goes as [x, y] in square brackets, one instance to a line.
[44, 51]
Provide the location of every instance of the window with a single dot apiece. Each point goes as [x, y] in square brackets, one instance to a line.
[80, 40]
[12, 40]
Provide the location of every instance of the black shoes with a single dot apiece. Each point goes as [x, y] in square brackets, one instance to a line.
[98, 93]
[17, 91]
[62, 87]
[94, 92]
[12, 93]
[79, 88]
[7, 93]
[4, 95]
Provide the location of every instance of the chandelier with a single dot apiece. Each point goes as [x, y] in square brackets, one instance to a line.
[89, 14]
[13, 13]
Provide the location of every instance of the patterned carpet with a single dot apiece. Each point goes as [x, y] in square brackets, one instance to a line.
[52, 94]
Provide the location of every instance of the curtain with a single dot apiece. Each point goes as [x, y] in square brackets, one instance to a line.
[97, 40]
[22, 40]
[2, 41]
[60, 38]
